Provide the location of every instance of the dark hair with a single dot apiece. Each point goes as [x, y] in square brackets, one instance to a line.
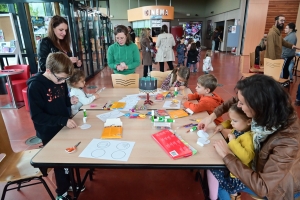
[239, 111]
[123, 29]
[183, 72]
[164, 28]
[277, 17]
[130, 28]
[208, 81]
[59, 62]
[76, 77]
[64, 44]
[198, 44]
[292, 26]
[269, 101]
[193, 46]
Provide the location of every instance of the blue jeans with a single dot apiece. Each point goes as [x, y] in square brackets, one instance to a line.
[212, 45]
[292, 63]
[224, 195]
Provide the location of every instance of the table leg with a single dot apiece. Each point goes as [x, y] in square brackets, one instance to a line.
[73, 183]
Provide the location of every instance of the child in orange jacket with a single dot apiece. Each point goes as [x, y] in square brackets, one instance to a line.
[207, 99]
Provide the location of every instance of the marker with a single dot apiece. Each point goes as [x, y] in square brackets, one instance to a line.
[105, 105]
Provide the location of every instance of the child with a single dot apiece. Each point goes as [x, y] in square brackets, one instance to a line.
[181, 49]
[192, 58]
[178, 78]
[241, 144]
[49, 101]
[77, 82]
[207, 67]
[207, 99]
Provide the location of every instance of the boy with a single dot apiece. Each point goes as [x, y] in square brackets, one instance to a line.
[207, 99]
[49, 101]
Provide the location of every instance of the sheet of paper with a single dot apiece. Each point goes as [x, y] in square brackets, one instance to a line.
[131, 101]
[110, 115]
[108, 150]
[170, 105]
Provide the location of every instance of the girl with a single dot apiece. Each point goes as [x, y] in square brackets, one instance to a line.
[207, 67]
[181, 49]
[76, 83]
[192, 58]
[241, 144]
[178, 78]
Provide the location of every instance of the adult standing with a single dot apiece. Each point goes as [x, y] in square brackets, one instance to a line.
[275, 169]
[217, 40]
[213, 42]
[146, 52]
[289, 54]
[58, 40]
[123, 56]
[275, 41]
[132, 34]
[165, 42]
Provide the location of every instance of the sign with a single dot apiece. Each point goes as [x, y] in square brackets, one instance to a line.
[148, 12]
[156, 23]
[156, 12]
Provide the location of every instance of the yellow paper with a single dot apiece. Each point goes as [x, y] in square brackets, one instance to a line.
[178, 113]
[112, 132]
[118, 105]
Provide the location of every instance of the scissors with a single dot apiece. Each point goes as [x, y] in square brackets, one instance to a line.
[72, 149]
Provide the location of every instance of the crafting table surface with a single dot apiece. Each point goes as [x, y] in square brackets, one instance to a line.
[146, 152]
[9, 72]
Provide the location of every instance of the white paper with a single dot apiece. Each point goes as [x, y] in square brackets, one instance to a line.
[108, 150]
[110, 115]
[130, 101]
[114, 121]
[170, 105]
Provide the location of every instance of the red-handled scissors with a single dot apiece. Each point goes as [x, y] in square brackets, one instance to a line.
[72, 149]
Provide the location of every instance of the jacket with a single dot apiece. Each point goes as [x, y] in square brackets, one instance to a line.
[46, 47]
[286, 52]
[48, 104]
[277, 174]
[165, 43]
[145, 44]
[275, 43]
[123, 53]
[192, 56]
[207, 67]
[205, 103]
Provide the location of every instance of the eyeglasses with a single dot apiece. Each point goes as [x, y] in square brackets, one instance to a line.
[60, 79]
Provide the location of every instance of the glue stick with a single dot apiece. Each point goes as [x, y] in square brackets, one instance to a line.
[84, 113]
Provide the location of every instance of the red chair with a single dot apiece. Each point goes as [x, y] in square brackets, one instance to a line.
[18, 81]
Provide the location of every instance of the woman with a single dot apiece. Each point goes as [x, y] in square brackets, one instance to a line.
[58, 40]
[289, 54]
[258, 49]
[146, 52]
[275, 170]
[123, 56]
[165, 42]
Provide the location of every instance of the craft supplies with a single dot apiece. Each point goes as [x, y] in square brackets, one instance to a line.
[84, 113]
[72, 149]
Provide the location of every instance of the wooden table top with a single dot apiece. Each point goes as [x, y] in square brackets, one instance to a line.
[146, 152]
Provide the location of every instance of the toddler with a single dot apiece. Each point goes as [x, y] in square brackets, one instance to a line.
[207, 67]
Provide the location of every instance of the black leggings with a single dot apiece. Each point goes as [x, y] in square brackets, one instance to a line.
[162, 66]
[146, 70]
[285, 69]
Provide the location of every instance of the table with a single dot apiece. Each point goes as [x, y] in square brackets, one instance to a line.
[8, 73]
[146, 153]
[115, 94]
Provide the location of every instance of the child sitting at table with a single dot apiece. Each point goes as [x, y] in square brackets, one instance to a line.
[49, 101]
[241, 144]
[178, 78]
[207, 99]
[76, 83]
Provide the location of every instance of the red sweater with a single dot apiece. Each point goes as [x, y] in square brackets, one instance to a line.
[205, 103]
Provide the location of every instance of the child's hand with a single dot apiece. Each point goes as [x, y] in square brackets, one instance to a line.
[181, 87]
[71, 123]
[231, 136]
[171, 88]
[97, 96]
[219, 128]
[74, 100]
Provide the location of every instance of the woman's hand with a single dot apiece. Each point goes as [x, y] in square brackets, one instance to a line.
[74, 59]
[206, 121]
[120, 68]
[74, 100]
[71, 123]
[222, 148]
[79, 63]
[219, 128]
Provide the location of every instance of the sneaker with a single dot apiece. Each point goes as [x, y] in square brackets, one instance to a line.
[216, 51]
[71, 189]
[65, 196]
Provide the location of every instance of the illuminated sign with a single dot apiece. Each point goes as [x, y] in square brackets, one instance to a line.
[151, 12]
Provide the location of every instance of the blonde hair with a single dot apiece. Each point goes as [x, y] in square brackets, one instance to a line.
[59, 63]
[208, 53]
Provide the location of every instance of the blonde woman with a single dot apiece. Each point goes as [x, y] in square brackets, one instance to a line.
[146, 52]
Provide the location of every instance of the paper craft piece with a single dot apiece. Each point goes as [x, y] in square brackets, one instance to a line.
[162, 112]
[85, 126]
[171, 105]
[118, 105]
[171, 144]
[108, 150]
[202, 134]
[130, 102]
[165, 93]
[178, 113]
[110, 115]
[112, 129]
[202, 141]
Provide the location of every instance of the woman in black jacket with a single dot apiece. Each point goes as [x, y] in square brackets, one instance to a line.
[58, 40]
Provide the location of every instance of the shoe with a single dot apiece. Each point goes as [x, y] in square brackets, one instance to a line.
[65, 196]
[237, 197]
[71, 189]
[216, 51]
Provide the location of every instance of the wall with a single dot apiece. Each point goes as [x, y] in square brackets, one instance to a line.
[298, 25]
[218, 7]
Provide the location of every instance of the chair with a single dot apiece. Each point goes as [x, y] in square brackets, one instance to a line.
[161, 76]
[252, 69]
[125, 81]
[15, 168]
[244, 75]
[261, 58]
[18, 81]
[273, 68]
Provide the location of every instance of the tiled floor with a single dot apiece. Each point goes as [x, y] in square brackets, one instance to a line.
[127, 184]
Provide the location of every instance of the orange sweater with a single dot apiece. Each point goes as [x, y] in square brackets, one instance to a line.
[205, 103]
